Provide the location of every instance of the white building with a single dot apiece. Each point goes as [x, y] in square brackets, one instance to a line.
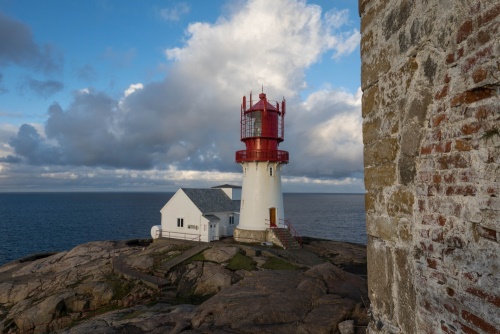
[200, 214]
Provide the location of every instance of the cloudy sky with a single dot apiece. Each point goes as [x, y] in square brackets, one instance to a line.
[112, 95]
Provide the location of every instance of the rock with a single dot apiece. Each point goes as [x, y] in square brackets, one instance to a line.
[77, 303]
[348, 256]
[50, 293]
[138, 319]
[339, 282]
[220, 254]
[141, 263]
[346, 327]
[100, 292]
[283, 302]
[214, 278]
[41, 314]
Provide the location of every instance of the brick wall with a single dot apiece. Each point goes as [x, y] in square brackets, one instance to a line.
[431, 109]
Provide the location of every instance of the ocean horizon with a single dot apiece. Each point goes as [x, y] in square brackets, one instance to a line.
[36, 222]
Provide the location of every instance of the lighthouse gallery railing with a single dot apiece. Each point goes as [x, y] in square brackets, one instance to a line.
[269, 155]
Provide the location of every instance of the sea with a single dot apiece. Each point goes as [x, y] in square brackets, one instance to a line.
[33, 223]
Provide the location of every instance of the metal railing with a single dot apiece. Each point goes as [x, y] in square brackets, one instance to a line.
[293, 231]
[262, 155]
[178, 235]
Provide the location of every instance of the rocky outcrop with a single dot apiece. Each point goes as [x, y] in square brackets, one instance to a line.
[49, 294]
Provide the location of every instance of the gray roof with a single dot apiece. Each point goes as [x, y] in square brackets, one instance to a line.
[212, 218]
[227, 186]
[212, 200]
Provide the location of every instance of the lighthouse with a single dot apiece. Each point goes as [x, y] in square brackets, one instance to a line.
[262, 130]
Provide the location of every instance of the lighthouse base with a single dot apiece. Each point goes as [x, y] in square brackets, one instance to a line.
[250, 236]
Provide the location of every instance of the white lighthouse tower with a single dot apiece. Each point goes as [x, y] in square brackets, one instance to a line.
[262, 130]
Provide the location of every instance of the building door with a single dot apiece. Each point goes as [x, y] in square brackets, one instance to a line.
[272, 217]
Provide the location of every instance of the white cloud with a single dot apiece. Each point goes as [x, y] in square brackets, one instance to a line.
[186, 127]
[174, 13]
[264, 43]
[132, 88]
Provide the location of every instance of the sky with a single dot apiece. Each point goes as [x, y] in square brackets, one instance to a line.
[119, 95]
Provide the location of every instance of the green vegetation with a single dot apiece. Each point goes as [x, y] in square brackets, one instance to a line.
[241, 262]
[196, 257]
[275, 263]
[121, 288]
[165, 255]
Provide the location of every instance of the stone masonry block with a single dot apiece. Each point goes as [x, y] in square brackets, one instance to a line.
[380, 176]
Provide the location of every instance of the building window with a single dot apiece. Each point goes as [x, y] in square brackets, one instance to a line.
[180, 222]
[231, 220]
[270, 171]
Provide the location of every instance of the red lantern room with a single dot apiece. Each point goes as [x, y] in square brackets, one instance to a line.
[262, 129]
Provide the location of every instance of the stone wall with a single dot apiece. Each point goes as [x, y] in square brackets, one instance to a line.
[431, 109]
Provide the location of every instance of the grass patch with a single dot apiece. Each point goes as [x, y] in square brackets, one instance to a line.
[275, 263]
[241, 262]
[163, 256]
[121, 288]
[196, 257]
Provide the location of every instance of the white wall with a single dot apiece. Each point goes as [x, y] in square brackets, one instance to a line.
[260, 192]
[180, 206]
[233, 193]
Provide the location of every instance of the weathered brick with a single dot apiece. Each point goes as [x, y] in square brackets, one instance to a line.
[451, 308]
[483, 37]
[439, 277]
[449, 178]
[442, 93]
[467, 330]
[471, 276]
[473, 95]
[464, 31]
[487, 233]
[489, 15]
[479, 56]
[463, 145]
[449, 234]
[447, 329]
[479, 74]
[453, 161]
[437, 235]
[487, 296]
[432, 263]
[484, 112]
[479, 322]
[450, 58]
[437, 120]
[461, 190]
[469, 129]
